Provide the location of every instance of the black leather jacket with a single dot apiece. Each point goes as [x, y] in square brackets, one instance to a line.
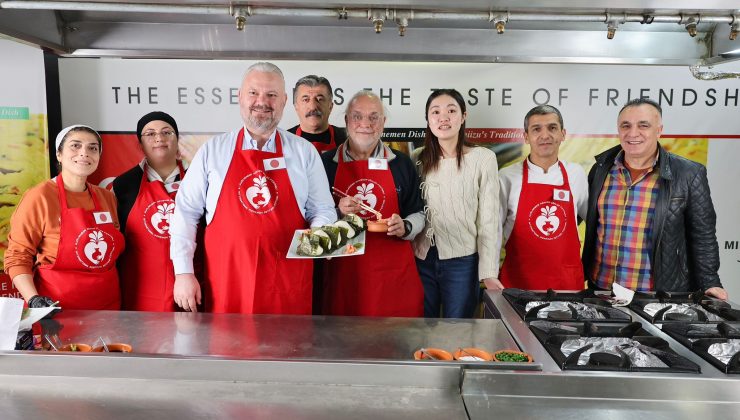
[685, 254]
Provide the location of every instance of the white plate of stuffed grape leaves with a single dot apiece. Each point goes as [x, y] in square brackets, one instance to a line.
[343, 238]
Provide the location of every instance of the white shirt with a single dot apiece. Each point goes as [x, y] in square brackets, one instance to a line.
[511, 187]
[152, 175]
[201, 188]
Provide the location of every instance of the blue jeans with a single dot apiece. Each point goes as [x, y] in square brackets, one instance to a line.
[450, 284]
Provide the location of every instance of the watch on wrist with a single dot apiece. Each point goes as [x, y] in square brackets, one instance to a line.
[406, 227]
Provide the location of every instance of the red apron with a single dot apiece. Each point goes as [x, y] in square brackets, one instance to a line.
[543, 250]
[321, 147]
[249, 236]
[84, 275]
[384, 280]
[147, 275]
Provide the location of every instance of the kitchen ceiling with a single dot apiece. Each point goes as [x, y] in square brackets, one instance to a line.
[644, 32]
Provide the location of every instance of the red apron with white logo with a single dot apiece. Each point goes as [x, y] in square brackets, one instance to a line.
[384, 280]
[321, 147]
[147, 275]
[249, 236]
[543, 250]
[84, 275]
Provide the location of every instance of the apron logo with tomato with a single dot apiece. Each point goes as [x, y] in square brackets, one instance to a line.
[370, 193]
[258, 193]
[92, 249]
[547, 220]
[157, 218]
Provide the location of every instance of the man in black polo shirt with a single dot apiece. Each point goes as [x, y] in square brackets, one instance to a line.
[313, 99]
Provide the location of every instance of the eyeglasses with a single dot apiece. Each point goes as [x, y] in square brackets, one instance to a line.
[357, 118]
[152, 135]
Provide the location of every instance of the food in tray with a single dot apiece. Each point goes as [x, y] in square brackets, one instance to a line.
[472, 354]
[326, 239]
[76, 347]
[380, 225]
[511, 356]
[114, 348]
[432, 354]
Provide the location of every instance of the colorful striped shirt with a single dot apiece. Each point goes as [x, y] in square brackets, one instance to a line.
[624, 233]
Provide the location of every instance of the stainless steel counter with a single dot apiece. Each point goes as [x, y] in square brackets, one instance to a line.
[275, 337]
[232, 366]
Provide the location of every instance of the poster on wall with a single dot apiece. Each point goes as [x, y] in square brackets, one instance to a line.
[700, 117]
[24, 160]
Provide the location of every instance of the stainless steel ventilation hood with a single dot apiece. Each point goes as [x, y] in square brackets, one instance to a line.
[576, 31]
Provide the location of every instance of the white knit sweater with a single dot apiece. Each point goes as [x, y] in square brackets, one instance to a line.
[462, 209]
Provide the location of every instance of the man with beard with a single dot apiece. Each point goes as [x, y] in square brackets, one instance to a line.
[255, 186]
[313, 99]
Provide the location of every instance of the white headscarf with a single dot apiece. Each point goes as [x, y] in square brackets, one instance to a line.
[66, 130]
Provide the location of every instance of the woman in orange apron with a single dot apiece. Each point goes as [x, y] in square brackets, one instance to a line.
[383, 281]
[146, 201]
[64, 239]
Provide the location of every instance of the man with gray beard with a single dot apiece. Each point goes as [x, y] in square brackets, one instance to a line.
[313, 99]
[255, 186]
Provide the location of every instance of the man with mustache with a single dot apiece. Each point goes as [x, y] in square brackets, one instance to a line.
[255, 186]
[651, 222]
[313, 99]
[541, 199]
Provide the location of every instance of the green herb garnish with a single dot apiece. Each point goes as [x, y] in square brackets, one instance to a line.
[508, 356]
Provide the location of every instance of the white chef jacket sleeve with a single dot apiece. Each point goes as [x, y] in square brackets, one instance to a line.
[579, 186]
[190, 204]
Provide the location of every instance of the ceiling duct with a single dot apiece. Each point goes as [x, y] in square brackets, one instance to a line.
[536, 31]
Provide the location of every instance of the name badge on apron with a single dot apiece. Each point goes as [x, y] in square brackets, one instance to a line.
[172, 187]
[273, 163]
[377, 164]
[102, 217]
[560, 195]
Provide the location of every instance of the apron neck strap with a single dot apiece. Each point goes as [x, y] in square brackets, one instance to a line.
[340, 151]
[145, 177]
[525, 172]
[240, 142]
[565, 174]
[62, 193]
